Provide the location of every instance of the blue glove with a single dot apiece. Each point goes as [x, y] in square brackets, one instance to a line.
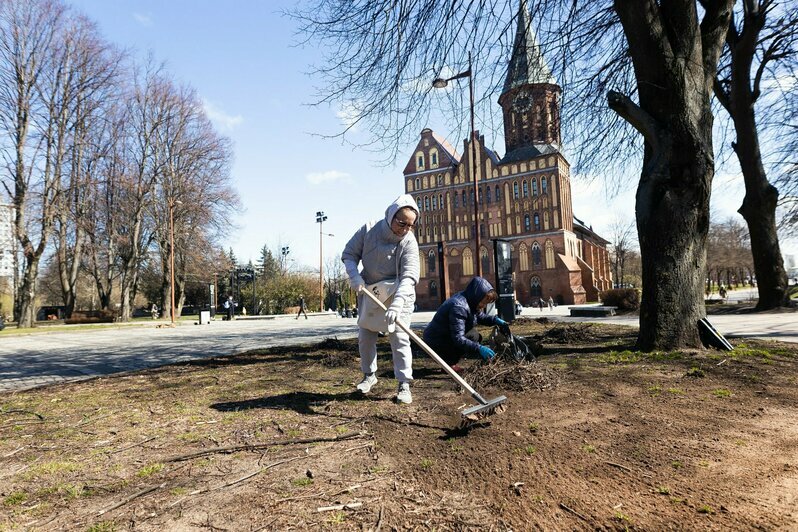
[486, 352]
[504, 327]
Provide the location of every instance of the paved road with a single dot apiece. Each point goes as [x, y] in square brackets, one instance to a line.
[28, 361]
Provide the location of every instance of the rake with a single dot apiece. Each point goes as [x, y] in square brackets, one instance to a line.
[469, 415]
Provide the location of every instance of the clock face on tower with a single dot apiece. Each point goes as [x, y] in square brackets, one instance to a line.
[522, 102]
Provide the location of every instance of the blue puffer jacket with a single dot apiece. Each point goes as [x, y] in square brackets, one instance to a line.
[458, 315]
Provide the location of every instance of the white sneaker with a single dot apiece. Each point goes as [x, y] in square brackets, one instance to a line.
[403, 393]
[367, 383]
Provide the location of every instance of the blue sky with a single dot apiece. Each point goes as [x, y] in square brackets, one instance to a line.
[241, 57]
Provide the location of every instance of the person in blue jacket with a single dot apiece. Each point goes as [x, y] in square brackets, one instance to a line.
[452, 333]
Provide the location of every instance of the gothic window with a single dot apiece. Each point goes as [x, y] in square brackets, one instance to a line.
[534, 187]
[515, 189]
[440, 201]
[418, 183]
[456, 200]
[480, 194]
[546, 220]
[525, 187]
[434, 203]
[549, 254]
[434, 159]
[468, 262]
[418, 202]
[485, 259]
[482, 230]
[523, 257]
[527, 225]
[498, 194]
[419, 161]
[440, 180]
[471, 197]
[535, 290]
[536, 254]
[543, 187]
[537, 222]
[465, 200]
[426, 203]
[433, 289]
[488, 194]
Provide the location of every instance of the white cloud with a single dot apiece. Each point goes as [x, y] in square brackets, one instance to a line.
[144, 20]
[317, 178]
[222, 120]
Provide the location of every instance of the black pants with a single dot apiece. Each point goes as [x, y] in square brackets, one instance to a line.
[302, 311]
[453, 355]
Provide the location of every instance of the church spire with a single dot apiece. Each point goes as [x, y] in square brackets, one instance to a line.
[527, 66]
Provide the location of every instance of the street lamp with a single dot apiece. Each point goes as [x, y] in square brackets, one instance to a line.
[172, 203]
[440, 83]
[284, 251]
[320, 219]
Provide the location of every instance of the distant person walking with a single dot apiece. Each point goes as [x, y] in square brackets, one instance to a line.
[230, 307]
[540, 303]
[301, 307]
[154, 311]
[551, 303]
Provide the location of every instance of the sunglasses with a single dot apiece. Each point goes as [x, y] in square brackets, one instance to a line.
[404, 225]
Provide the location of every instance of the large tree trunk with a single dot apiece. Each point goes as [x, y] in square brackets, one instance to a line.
[26, 316]
[675, 56]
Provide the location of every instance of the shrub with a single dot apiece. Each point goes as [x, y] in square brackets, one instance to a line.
[623, 298]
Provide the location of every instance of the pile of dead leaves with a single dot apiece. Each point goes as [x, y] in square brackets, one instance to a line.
[512, 376]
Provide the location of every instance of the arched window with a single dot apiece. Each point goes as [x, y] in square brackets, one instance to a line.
[434, 202]
[525, 189]
[523, 257]
[535, 254]
[485, 258]
[480, 194]
[468, 262]
[433, 289]
[546, 220]
[456, 200]
[418, 202]
[419, 161]
[465, 201]
[537, 222]
[534, 187]
[535, 289]
[440, 180]
[543, 186]
[498, 194]
[527, 225]
[471, 197]
[433, 158]
[515, 189]
[418, 183]
[440, 201]
[426, 203]
[482, 230]
[549, 254]
[488, 194]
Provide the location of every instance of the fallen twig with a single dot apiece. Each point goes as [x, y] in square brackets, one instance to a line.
[379, 519]
[12, 453]
[571, 510]
[618, 466]
[21, 411]
[256, 446]
[133, 445]
[348, 506]
[131, 498]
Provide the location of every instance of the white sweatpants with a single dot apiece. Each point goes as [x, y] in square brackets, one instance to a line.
[400, 347]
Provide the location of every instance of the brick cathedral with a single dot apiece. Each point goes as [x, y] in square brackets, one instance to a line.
[524, 198]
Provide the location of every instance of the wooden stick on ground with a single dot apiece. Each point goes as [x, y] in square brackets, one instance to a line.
[349, 506]
[256, 446]
[571, 510]
[131, 498]
[619, 466]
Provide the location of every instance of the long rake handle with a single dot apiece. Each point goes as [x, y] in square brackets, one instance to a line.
[452, 373]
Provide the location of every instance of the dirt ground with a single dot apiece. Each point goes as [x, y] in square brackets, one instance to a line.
[595, 436]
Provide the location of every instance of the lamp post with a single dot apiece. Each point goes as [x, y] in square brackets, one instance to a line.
[284, 251]
[172, 203]
[320, 219]
[440, 83]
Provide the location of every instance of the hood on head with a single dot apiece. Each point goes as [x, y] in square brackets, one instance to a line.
[476, 291]
[405, 200]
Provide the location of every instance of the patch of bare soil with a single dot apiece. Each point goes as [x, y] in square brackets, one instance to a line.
[596, 436]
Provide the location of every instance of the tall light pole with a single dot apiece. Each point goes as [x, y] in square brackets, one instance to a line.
[172, 203]
[320, 219]
[440, 83]
[284, 251]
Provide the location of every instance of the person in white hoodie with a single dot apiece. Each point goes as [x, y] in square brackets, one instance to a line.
[388, 252]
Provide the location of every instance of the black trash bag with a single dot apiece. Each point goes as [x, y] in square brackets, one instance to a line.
[509, 347]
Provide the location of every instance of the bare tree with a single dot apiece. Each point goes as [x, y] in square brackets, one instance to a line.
[623, 237]
[29, 34]
[760, 37]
